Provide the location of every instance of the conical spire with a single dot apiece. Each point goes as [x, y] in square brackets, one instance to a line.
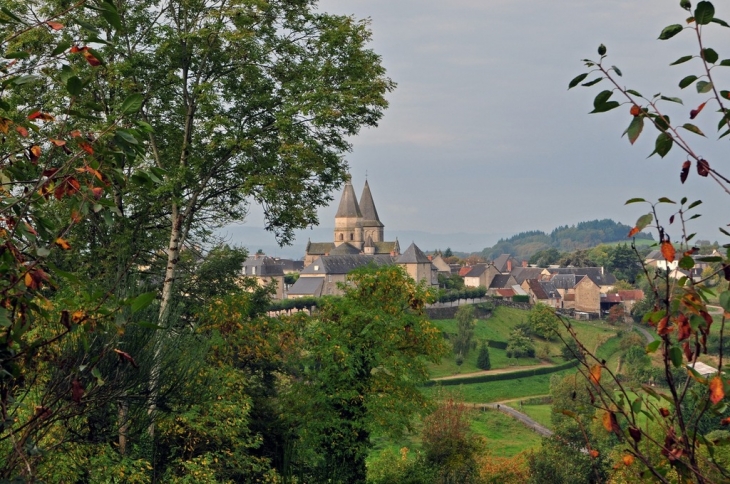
[348, 204]
[367, 207]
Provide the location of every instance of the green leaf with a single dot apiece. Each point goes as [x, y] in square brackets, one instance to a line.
[606, 107]
[687, 81]
[97, 374]
[672, 99]
[686, 262]
[685, 4]
[703, 87]
[675, 354]
[727, 132]
[694, 204]
[602, 97]
[17, 55]
[635, 93]
[616, 70]
[670, 31]
[663, 144]
[653, 346]
[61, 48]
[635, 128]
[74, 86]
[725, 62]
[704, 13]
[681, 60]
[634, 200]
[593, 82]
[132, 103]
[643, 221]
[577, 80]
[725, 300]
[666, 200]
[25, 79]
[710, 55]
[694, 129]
[142, 301]
[4, 320]
[110, 14]
[12, 15]
[720, 22]
[601, 50]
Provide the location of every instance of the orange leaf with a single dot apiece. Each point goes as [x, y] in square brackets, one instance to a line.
[668, 251]
[594, 453]
[90, 58]
[22, 131]
[610, 423]
[40, 116]
[685, 171]
[55, 25]
[124, 356]
[57, 142]
[628, 459]
[98, 192]
[35, 153]
[5, 124]
[725, 421]
[685, 330]
[75, 133]
[693, 114]
[72, 186]
[663, 326]
[77, 316]
[76, 49]
[633, 232]
[86, 147]
[63, 243]
[29, 282]
[717, 393]
[595, 375]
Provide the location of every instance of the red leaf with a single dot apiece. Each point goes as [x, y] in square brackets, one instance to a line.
[663, 326]
[693, 114]
[703, 167]
[664, 412]
[76, 49]
[685, 330]
[40, 116]
[633, 232]
[635, 434]
[77, 391]
[725, 421]
[90, 58]
[57, 142]
[22, 131]
[55, 25]
[668, 251]
[594, 453]
[124, 356]
[98, 192]
[687, 351]
[635, 110]
[717, 393]
[75, 133]
[86, 147]
[685, 171]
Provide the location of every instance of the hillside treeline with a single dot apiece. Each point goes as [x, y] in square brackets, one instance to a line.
[564, 238]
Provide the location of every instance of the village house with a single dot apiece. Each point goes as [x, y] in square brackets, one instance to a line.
[265, 270]
[542, 292]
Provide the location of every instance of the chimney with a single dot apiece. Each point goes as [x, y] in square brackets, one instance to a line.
[509, 265]
[430, 257]
[524, 263]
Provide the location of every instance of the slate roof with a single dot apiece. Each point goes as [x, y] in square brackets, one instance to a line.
[348, 203]
[522, 273]
[596, 274]
[564, 281]
[536, 289]
[345, 249]
[387, 247]
[342, 264]
[477, 270]
[367, 208]
[291, 265]
[307, 286]
[320, 248]
[550, 289]
[413, 255]
[501, 262]
[654, 255]
[264, 266]
[500, 281]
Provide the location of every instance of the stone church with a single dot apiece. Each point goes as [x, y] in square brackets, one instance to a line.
[358, 229]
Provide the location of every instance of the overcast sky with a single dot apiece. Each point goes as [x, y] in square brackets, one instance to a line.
[482, 135]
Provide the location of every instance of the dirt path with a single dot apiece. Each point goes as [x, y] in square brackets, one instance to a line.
[510, 369]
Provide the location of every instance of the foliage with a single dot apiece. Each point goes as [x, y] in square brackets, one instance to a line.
[462, 342]
[545, 258]
[364, 355]
[677, 308]
[449, 445]
[451, 283]
[466, 293]
[519, 344]
[543, 322]
[571, 351]
[483, 362]
[616, 314]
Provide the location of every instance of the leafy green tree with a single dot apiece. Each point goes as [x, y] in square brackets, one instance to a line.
[544, 258]
[519, 344]
[483, 361]
[465, 323]
[624, 263]
[365, 354]
[543, 322]
[448, 253]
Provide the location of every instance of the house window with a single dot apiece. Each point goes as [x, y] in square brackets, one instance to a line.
[352, 236]
[316, 268]
[253, 271]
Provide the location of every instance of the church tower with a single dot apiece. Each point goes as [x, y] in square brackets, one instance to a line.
[348, 220]
[371, 224]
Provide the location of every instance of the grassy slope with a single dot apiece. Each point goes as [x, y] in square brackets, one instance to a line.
[541, 414]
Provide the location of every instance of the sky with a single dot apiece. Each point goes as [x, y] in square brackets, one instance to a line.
[482, 139]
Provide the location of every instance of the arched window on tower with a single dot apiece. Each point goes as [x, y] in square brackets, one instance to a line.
[342, 236]
[352, 236]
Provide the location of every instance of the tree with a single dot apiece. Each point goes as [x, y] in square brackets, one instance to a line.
[365, 354]
[448, 253]
[616, 314]
[519, 344]
[546, 257]
[483, 362]
[543, 322]
[462, 342]
[678, 309]
[623, 263]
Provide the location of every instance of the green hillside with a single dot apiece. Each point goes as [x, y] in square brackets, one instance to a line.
[565, 238]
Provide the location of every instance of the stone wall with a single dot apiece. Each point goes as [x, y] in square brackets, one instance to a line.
[438, 311]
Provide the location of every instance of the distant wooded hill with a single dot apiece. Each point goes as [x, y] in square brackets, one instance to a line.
[565, 238]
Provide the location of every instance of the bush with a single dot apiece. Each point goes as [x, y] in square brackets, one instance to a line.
[522, 298]
[483, 362]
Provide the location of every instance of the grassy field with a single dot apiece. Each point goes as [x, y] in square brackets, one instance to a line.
[498, 327]
[505, 436]
[541, 414]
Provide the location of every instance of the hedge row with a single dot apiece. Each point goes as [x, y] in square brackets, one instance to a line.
[468, 293]
[545, 370]
[497, 344]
